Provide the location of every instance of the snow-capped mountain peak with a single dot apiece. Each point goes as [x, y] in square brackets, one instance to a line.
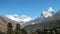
[18, 18]
[50, 9]
[48, 13]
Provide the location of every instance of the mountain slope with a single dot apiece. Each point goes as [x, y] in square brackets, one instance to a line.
[58, 13]
[44, 17]
[51, 22]
[2, 25]
[22, 20]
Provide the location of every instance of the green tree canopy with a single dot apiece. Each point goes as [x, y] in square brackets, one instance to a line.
[17, 29]
[9, 28]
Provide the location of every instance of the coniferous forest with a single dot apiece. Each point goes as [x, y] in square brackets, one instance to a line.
[18, 30]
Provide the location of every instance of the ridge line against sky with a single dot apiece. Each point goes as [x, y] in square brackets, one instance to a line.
[31, 8]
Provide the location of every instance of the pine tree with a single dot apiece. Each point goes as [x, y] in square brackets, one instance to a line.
[33, 32]
[24, 31]
[9, 29]
[38, 31]
[17, 29]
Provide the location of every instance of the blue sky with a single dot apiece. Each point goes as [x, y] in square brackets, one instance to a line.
[31, 8]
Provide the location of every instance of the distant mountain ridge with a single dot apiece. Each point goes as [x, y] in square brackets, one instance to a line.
[25, 20]
[58, 13]
[18, 18]
[42, 22]
[50, 23]
[44, 16]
